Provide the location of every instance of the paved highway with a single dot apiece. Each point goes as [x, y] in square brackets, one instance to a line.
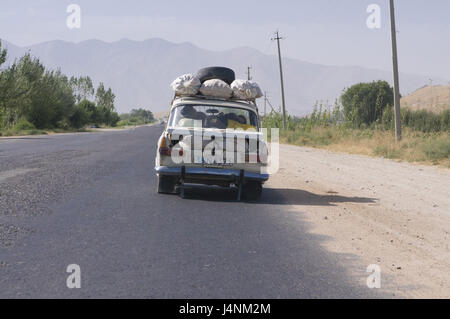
[90, 199]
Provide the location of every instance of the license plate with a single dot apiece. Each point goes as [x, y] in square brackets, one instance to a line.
[209, 164]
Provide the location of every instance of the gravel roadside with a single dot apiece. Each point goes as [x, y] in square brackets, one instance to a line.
[393, 214]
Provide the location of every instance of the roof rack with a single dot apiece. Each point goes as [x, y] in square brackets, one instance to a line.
[251, 101]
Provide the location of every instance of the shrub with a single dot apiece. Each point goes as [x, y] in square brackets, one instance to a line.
[24, 125]
[436, 149]
[422, 120]
[64, 125]
[364, 103]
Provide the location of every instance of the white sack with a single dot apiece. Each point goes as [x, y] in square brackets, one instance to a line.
[246, 90]
[216, 88]
[187, 84]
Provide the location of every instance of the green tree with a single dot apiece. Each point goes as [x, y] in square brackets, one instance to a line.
[114, 119]
[105, 98]
[52, 103]
[31, 96]
[82, 87]
[85, 112]
[18, 83]
[146, 115]
[137, 117]
[90, 109]
[365, 103]
[3, 54]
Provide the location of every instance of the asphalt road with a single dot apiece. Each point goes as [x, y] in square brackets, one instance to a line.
[90, 199]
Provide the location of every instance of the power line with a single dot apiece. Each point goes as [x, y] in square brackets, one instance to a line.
[278, 38]
[267, 102]
[398, 123]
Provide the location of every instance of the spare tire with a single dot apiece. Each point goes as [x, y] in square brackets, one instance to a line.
[225, 74]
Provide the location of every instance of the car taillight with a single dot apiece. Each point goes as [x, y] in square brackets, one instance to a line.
[255, 158]
[260, 157]
[164, 148]
[165, 151]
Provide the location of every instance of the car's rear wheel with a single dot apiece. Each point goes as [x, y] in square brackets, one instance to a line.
[166, 184]
[252, 191]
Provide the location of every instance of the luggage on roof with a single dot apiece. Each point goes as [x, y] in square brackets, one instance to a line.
[186, 85]
[216, 82]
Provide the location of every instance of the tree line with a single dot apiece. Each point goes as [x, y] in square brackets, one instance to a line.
[371, 105]
[136, 117]
[32, 96]
[365, 105]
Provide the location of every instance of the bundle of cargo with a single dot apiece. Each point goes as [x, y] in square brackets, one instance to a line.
[216, 82]
[246, 90]
[216, 88]
[186, 85]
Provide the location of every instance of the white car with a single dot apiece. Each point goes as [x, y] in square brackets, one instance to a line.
[212, 142]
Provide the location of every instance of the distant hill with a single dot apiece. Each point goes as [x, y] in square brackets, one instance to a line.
[433, 98]
[140, 71]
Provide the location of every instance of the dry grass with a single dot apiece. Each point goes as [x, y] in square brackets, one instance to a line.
[427, 148]
[15, 132]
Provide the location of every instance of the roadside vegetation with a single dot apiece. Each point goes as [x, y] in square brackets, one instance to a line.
[36, 100]
[362, 122]
[136, 117]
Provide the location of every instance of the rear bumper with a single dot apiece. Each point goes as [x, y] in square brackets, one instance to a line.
[211, 173]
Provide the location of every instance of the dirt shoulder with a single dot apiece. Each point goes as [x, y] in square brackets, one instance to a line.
[121, 128]
[393, 214]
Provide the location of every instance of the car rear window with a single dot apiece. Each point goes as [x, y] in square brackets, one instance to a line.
[212, 116]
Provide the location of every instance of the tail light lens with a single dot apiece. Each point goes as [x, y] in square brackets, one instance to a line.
[164, 148]
[261, 155]
[254, 156]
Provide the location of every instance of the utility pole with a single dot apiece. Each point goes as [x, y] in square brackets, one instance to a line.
[265, 103]
[398, 123]
[249, 76]
[278, 38]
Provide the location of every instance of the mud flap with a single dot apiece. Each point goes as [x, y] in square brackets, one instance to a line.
[183, 176]
[241, 185]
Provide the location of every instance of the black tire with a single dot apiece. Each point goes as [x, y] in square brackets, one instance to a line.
[166, 184]
[225, 74]
[252, 191]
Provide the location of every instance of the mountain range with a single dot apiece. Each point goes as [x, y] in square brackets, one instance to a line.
[140, 72]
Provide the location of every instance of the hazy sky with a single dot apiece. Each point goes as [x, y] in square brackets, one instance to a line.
[330, 32]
